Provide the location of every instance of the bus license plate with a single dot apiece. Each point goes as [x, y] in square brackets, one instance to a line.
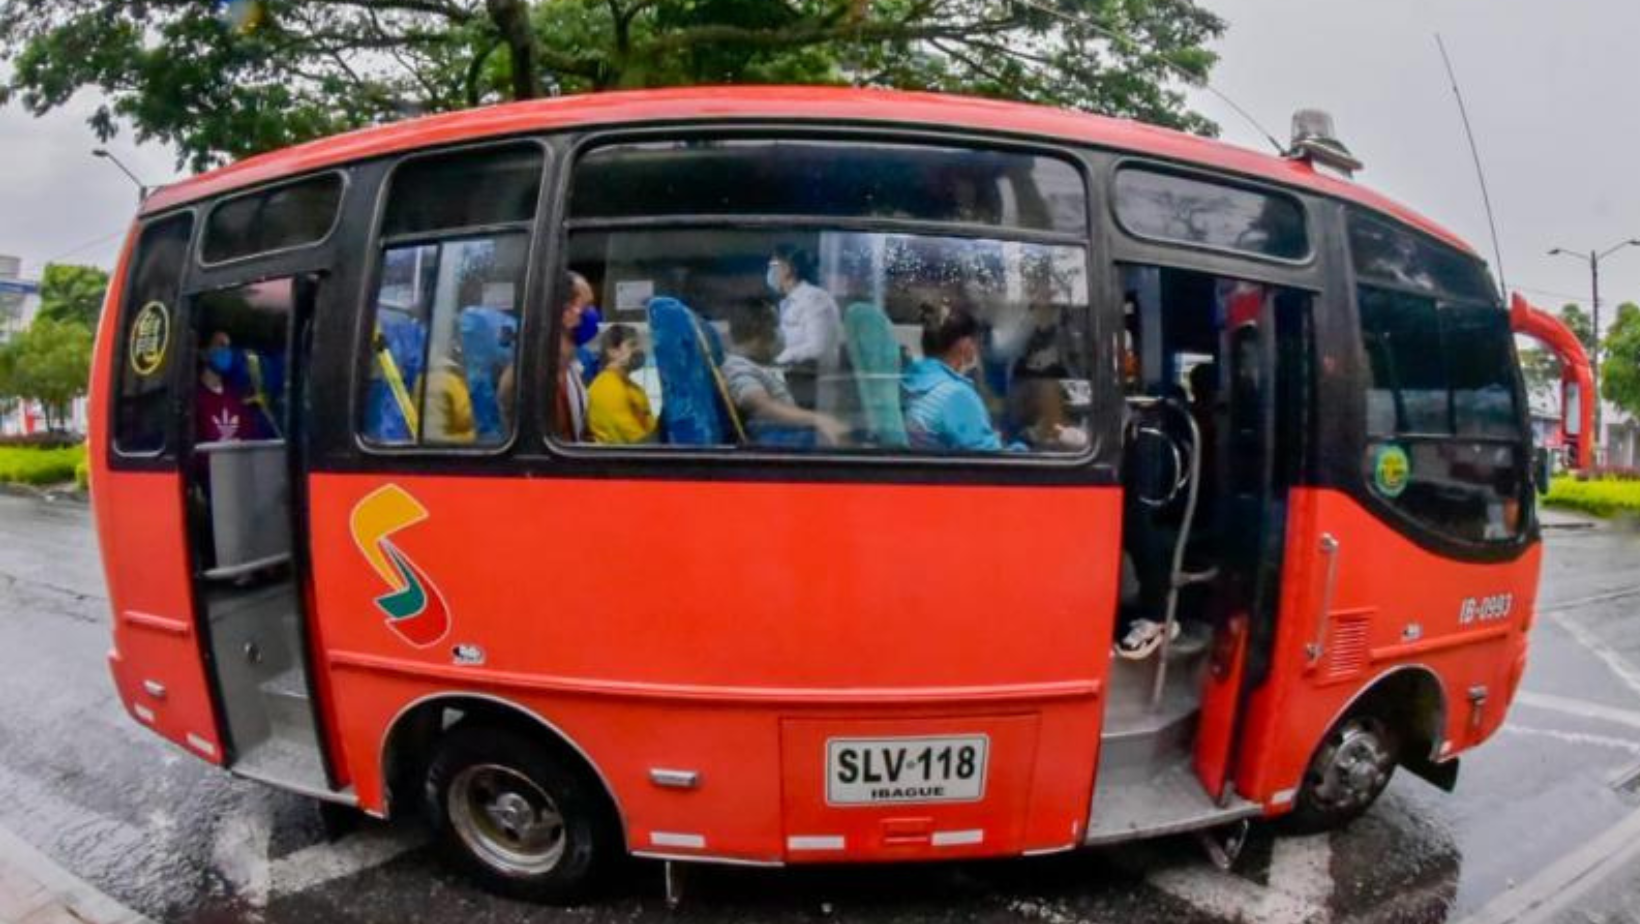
[887, 771]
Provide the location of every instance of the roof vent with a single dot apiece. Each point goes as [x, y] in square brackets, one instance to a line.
[1316, 143]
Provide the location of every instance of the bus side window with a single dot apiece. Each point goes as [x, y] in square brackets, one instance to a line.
[1444, 438]
[804, 333]
[444, 341]
[148, 344]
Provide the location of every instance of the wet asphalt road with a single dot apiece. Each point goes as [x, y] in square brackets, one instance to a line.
[183, 842]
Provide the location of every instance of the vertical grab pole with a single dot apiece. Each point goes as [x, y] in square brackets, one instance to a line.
[1176, 577]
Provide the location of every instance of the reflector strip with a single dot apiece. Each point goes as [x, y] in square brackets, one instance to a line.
[143, 712]
[958, 838]
[674, 839]
[201, 745]
[815, 842]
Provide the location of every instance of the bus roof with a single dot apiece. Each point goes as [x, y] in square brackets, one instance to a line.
[827, 105]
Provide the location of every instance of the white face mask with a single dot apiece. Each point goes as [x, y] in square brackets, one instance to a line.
[772, 278]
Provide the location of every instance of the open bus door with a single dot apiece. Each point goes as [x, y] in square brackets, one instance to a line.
[1266, 344]
[244, 470]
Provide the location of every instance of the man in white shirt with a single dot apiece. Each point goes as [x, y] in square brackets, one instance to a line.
[810, 324]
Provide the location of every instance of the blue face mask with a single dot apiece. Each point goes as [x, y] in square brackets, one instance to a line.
[588, 328]
[220, 359]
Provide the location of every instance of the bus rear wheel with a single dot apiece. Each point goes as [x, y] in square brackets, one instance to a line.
[1348, 773]
[517, 819]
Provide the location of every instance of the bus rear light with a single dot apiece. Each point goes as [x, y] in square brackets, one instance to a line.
[154, 688]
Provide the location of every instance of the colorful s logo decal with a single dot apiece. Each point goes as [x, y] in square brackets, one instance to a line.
[413, 605]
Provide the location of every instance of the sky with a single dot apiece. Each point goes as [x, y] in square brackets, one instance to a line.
[1548, 85]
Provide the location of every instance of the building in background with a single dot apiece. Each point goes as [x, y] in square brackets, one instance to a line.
[19, 303]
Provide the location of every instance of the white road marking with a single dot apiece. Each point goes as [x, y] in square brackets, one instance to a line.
[365, 849]
[1600, 741]
[1299, 890]
[1619, 665]
[240, 852]
[1580, 707]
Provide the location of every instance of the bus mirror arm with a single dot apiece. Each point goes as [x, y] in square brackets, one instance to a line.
[1329, 548]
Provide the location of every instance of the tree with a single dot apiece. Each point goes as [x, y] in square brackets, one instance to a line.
[49, 363]
[230, 78]
[1620, 371]
[72, 293]
[1541, 367]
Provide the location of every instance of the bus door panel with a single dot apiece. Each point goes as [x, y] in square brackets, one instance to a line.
[1364, 603]
[1264, 355]
[245, 481]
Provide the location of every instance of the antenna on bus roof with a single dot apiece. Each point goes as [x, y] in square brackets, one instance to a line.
[1189, 76]
[1480, 173]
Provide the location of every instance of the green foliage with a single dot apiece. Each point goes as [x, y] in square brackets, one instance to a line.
[1603, 498]
[222, 81]
[82, 474]
[49, 363]
[72, 293]
[40, 466]
[1620, 370]
[1541, 367]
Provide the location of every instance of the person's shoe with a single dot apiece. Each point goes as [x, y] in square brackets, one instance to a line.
[1142, 639]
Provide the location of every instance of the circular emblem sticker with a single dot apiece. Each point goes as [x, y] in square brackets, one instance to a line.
[1391, 469]
[150, 336]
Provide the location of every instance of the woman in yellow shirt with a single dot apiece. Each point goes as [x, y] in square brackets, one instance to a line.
[617, 409]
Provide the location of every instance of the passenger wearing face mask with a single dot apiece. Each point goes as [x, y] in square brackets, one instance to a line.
[944, 409]
[617, 408]
[221, 412]
[811, 327]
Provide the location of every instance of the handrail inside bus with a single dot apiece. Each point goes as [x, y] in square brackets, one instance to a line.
[225, 447]
[1575, 370]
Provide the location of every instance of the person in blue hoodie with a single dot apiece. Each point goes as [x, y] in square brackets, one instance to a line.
[944, 410]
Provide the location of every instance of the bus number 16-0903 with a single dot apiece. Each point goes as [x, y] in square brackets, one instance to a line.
[880, 771]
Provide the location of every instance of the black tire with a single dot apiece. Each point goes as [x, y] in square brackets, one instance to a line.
[1349, 770]
[491, 795]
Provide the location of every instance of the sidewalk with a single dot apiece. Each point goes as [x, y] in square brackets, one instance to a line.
[34, 890]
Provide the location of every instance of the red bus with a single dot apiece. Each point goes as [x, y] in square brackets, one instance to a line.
[780, 476]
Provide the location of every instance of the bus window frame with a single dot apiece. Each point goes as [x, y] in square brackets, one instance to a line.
[165, 458]
[1344, 463]
[1313, 236]
[343, 172]
[375, 247]
[1100, 460]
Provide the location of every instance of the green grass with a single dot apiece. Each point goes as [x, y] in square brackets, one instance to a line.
[20, 465]
[1603, 498]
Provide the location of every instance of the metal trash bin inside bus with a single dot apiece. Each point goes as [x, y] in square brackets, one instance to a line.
[250, 488]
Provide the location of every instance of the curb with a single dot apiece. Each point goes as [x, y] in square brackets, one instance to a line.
[78, 899]
[1558, 887]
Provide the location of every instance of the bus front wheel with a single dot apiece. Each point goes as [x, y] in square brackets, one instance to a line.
[1348, 773]
[515, 817]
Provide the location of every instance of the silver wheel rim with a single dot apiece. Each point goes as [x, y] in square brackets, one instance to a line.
[1354, 766]
[506, 820]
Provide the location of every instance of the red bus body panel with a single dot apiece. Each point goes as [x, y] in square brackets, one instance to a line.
[728, 628]
[156, 659]
[1395, 606]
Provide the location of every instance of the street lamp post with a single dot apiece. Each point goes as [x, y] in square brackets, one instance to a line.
[1593, 258]
[105, 154]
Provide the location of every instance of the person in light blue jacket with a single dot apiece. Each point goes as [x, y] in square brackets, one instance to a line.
[944, 410]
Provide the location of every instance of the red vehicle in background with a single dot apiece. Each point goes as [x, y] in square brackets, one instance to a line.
[1012, 481]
